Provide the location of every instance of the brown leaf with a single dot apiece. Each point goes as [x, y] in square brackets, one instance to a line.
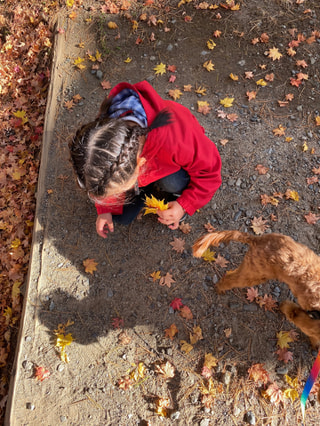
[252, 294]
[311, 218]
[185, 228]
[262, 170]
[178, 244]
[259, 225]
[186, 313]
[209, 227]
[90, 265]
[221, 261]
[284, 355]
[167, 280]
[258, 374]
[171, 331]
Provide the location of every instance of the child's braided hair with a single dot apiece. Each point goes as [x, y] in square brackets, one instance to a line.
[104, 152]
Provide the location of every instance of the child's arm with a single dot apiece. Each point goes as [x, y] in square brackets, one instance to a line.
[104, 224]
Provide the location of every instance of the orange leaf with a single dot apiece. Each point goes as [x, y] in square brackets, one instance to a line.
[90, 265]
[186, 313]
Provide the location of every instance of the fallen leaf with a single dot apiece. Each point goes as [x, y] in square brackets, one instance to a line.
[178, 244]
[291, 195]
[259, 225]
[262, 170]
[41, 373]
[252, 294]
[167, 280]
[234, 77]
[258, 374]
[227, 332]
[187, 88]
[185, 228]
[106, 85]
[279, 131]
[176, 304]
[221, 261]
[196, 335]
[175, 94]
[90, 265]
[156, 275]
[124, 339]
[209, 227]
[224, 142]
[208, 65]
[284, 355]
[185, 346]
[274, 53]
[166, 369]
[227, 102]
[283, 339]
[232, 117]
[208, 255]
[251, 95]
[172, 68]
[203, 107]
[261, 82]
[311, 218]
[274, 394]
[185, 312]
[160, 69]
[210, 361]
[171, 331]
[211, 44]
[267, 302]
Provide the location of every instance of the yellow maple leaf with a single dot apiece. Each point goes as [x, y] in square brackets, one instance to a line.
[208, 255]
[90, 265]
[279, 131]
[152, 205]
[294, 383]
[196, 335]
[284, 339]
[292, 195]
[210, 361]
[305, 147]
[227, 102]
[21, 114]
[61, 342]
[211, 44]
[128, 60]
[274, 53]
[234, 77]
[156, 275]
[69, 3]
[200, 90]
[135, 25]
[318, 120]
[261, 82]
[78, 63]
[160, 69]
[208, 65]
[15, 292]
[292, 394]
[15, 243]
[185, 346]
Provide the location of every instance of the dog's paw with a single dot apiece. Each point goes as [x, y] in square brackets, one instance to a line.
[220, 289]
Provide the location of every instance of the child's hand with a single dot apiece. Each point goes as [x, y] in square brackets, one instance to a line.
[104, 224]
[172, 215]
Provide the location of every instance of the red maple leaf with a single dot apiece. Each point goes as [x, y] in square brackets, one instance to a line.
[176, 304]
[117, 322]
[41, 373]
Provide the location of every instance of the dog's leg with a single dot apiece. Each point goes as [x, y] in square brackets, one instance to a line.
[246, 275]
[299, 317]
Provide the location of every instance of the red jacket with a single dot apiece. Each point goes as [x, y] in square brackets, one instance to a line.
[181, 144]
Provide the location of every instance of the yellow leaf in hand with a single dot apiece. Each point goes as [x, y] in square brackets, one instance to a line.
[152, 204]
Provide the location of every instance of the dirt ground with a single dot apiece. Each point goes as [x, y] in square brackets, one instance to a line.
[118, 314]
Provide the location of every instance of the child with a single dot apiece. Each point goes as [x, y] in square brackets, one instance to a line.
[140, 142]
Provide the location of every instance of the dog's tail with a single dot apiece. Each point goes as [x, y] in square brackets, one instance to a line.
[215, 238]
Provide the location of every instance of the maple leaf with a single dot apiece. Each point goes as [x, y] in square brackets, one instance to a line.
[89, 265]
[156, 275]
[186, 313]
[117, 322]
[185, 228]
[289, 97]
[301, 63]
[274, 394]
[283, 339]
[291, 52]
[302, 76]
[171, 331]
[234, 77]
[251, 95]
[311, 218]
[266, 199]
[208, 65]
[279, 131]
[221, 261]
[210, 361]
[175, 93]
[166, 369]
[217, 34]
[262, 170]
[227, 332]
[22, 115]
[224, 141]
[274, 53]
[128, 60]
[41, 373]
[261, 82]
[167, 280]
[172, 68]
[78, 63]
[203, 107]
[196, 335]
[295, 82]
[291, 394]
[187, 88]
[267, 302]
[61, 342]
[264, 38]
[258, 374]
[69, 104]
[312, 180]
[162, 405]
[208, 255]
[185, 346]
[252, 294]
[227, 102]
[232, 117]
[259, 225]
[160, 69]
[248, 74]
[317, 119]
[124, 339]
[255, 40]
[291, 195]
[200, 90]
[284, 355]
[106, 85]
[172, 79]
[77, 98]
[294, 383]
[176, 304]
[211, 44]
[125, 383]
[178, 244]
[269, 77]
[152, 205]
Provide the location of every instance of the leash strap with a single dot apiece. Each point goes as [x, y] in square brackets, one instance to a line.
[309, 383]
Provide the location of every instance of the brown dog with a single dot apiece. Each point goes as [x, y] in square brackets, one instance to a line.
[275, 257]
